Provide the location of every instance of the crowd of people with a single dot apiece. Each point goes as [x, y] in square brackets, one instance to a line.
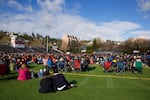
[122, 63]
[66, 63]
[74, 62]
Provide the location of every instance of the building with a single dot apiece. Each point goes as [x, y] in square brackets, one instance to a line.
[16, 41]
[70, 42]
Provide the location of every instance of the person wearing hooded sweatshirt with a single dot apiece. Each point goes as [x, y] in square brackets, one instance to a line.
[46, 83]
[60, 82]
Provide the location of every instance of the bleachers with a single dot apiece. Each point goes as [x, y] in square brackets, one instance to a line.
[8, 49]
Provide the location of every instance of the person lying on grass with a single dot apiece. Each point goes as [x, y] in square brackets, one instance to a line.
[46, 83]
[60, 82]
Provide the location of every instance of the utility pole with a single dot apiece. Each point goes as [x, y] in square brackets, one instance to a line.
[47, 43]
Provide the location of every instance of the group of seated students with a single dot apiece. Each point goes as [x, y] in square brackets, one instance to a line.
[48, 83]
[121, 64]
[55, 82]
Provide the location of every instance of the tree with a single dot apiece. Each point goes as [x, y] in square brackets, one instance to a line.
[136, 44]
[89, 49]
[142, 44]
[128, 46]
[2, 34]
[38, 36]
[33, 35]
[94, 45]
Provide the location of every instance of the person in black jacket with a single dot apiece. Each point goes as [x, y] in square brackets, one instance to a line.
[60, 82]
[47, 84]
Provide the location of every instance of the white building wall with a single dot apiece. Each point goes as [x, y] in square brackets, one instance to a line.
[16, 43]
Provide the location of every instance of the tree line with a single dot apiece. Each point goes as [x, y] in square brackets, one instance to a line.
[127, 46]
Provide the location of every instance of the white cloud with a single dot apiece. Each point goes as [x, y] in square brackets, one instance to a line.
[141, 34]
[15, 5]
[144, 7]
[51, 5]
[52, 20]
[76, 7]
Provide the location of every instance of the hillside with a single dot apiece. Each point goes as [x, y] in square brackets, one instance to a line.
[34, 40]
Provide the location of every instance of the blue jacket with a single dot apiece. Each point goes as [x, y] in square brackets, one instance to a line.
[49, 63]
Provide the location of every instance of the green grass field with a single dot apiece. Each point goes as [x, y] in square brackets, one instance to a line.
[91, 85]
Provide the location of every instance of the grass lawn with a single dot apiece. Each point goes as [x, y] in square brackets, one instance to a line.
[91, 85]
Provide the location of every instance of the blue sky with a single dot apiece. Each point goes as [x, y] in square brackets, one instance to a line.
[86, 19]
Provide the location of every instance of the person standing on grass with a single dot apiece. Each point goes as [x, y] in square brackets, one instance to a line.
[46, 83]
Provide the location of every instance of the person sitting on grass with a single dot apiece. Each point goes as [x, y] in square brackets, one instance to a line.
[60, 82]
[137, 65]
[24, 73]
[46, 83]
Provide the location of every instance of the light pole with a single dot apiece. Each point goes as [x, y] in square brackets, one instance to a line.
[47, 43]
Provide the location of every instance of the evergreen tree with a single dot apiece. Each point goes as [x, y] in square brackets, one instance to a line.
[94, 45]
